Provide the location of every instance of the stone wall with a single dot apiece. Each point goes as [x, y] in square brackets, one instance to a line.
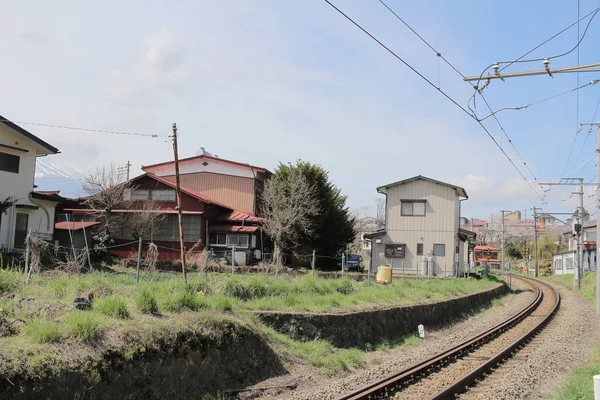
[354, 329]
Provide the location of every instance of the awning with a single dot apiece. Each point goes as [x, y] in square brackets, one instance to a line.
[74, 225]
[232, 228]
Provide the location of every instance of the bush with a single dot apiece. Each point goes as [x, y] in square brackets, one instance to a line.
[146, 301]
[43, 331]
[184, 298]
[9, 280]
[114, 307]
[345, 286]
[83, 326]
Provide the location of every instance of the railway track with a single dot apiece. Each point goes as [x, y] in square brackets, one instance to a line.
[454, 371]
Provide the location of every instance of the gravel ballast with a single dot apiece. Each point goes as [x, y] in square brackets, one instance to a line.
[311, 385]
[540, 366]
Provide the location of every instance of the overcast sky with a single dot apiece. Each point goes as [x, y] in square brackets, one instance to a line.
[265, 82]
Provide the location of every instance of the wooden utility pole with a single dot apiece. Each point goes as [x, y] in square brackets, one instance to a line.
[178, 193]
[535, 240]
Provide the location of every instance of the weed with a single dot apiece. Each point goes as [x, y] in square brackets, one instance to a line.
[184, 298]
[83, 325]
[146, 301]
[9, 280]
[222, 303]
[58, 287]
[497, 303]
[43, 331]
[114, 307]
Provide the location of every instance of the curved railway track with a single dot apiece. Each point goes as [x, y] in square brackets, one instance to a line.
[452, 372]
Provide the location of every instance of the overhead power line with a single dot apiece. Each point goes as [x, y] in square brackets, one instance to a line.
[438, 89]
[85, 129]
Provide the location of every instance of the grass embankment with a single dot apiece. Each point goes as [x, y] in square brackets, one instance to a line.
[579, 384]
[131, 318]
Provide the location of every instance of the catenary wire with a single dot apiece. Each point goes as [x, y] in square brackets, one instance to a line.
[441, 91]
[85, 129]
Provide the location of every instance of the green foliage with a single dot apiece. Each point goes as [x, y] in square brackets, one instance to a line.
[514, 249]
[102, 240]
[113, 307]
[184, 297]
[9, 280]
[83, 325]
[333, 226]
[43, 331]
[146, 301]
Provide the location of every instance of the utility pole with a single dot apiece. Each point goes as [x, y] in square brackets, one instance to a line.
[178, 193]
[535, 238]
[597, 124]
[502, 240]
[579, 220]
[128, 165]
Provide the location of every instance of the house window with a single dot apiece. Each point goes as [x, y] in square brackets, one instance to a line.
[153, 194]
[168, 229]
[411, 208]
[394, 250]
[439, 250]
[419, 249]
[217, 239]
[9, 163]
[140, 194]
[237, 240]
[162, 195]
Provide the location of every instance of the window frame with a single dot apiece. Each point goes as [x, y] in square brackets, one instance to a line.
[9, 162]
[404, 213]
[420, 252]
[238, 236]
[443, 247]
[218, 234]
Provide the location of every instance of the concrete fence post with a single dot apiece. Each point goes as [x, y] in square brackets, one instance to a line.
[139, 259]
[596, 387]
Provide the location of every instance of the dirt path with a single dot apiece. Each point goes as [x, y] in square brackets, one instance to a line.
[311, 385]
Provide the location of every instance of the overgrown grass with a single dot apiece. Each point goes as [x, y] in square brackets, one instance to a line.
[588, 283]
[83, 325]
[497, 303]
[146, 301]
[43, 331]
[387, 345]
[318, 353]
[9, 280]
[113, 307]
[183, 298]
[579, 385]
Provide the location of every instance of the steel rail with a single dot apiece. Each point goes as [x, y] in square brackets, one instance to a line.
[462, 384]
[383, 387]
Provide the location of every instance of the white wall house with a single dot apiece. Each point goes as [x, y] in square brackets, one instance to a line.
[19, 150]
[564, 263]
[421, 219]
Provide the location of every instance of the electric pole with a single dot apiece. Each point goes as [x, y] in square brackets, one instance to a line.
[579, 220]
[178, 193]
[535, 238]
[502, 247]
[597, 124]
[128, 165]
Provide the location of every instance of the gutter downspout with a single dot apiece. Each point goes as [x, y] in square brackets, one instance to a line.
[43, 208]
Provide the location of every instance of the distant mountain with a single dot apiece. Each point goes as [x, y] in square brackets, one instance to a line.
[51, 175]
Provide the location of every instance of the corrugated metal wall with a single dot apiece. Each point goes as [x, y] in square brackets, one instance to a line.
[438, 226]
[233, 191]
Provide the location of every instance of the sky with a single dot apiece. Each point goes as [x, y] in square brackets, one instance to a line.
[270, 81]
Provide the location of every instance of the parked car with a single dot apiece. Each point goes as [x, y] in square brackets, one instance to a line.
[354, 262]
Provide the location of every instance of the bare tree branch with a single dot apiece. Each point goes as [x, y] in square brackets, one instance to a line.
[144, 222]
[288, 205]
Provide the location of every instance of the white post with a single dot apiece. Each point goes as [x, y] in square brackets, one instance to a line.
[402, 269]
[139, 259]
[233, 260]
[312, 263]
[596, 387]
[343, 257]
[27, 255]
[580, 236]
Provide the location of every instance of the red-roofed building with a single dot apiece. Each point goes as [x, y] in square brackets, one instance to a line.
[211, 189]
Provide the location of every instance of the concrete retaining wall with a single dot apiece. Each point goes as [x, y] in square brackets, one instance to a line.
[354, 329]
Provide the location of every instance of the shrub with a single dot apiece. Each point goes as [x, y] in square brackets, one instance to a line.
[43, 331]
[345, 286]
[83, 325]
[146, 301]
[222, 303]
[234, 287]
[9, 280]
[184, 298]
[114, 307]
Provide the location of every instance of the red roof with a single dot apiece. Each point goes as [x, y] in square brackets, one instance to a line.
[240, 216]
[74, 225]
[204, 156]
[232, 228]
